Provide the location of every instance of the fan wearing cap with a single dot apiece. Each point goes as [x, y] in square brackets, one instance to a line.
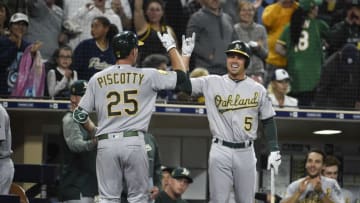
[78, 175]
[178, 183]
[12, 48]
[235, 103]
[278, 88]
[302, 41]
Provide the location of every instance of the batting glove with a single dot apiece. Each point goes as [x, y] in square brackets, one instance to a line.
[188, 45]
[274, 161]
[167, 41]
[80, 115]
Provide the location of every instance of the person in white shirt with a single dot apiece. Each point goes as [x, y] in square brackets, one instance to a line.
[278, 88]
[84, 16]
[60, 78]
[331, 170]
[314, 187]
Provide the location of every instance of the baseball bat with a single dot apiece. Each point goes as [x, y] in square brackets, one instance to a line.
[272, 185]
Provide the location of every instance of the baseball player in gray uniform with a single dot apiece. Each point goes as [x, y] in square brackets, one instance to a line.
[6, 164]
[234, 104]
[123, 97]
[314, 187]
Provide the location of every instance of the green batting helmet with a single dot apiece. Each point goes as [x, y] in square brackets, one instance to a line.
[240, 47]
[123, 43]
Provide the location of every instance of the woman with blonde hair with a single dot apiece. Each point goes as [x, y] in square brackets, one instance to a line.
[278, 89]
[255, 35]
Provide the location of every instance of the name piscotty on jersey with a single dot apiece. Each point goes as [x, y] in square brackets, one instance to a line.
[124, 96]
[235, 102]
[120, 78]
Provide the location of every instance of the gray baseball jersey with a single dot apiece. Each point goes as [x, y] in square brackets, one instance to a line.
[233, 110]
[124, 97]
[6, 164]
[329, 186]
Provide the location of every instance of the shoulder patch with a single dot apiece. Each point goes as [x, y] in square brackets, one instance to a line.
[162, 72]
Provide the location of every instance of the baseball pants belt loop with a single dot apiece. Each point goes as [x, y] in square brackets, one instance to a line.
[233, 145]
[117, 135]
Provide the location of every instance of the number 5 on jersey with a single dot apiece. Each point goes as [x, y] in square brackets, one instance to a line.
[248, 123]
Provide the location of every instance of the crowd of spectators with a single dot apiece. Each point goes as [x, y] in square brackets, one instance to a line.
[316, 42]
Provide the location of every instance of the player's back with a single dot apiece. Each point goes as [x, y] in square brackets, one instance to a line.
[124, 97]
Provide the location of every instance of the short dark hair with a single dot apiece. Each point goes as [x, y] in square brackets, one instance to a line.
[155, 60]
[113, 30]
[315, 150]
[331, 161]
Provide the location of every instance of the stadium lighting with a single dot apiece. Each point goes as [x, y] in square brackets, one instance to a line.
[327, 132]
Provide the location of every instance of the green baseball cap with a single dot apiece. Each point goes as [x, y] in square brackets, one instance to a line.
[180, 172]
[78, 88]
[167, 169]
[308, 4]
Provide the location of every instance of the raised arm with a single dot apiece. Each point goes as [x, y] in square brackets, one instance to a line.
[183, 83]
[170, 45]
[139, 17]
[187, 48]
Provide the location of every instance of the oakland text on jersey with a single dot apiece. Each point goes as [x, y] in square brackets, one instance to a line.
[120, 78]
[236, 102]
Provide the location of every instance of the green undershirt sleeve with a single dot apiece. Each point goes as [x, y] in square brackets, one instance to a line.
[271, 133]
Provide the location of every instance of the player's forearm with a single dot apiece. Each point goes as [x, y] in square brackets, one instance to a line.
[139, 18]
[271, 134]
[90, 127]
[176, 60]
[186, 61]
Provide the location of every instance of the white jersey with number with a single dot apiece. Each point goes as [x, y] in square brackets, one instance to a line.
[233, 108]
[329, 186]
[124, 97]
